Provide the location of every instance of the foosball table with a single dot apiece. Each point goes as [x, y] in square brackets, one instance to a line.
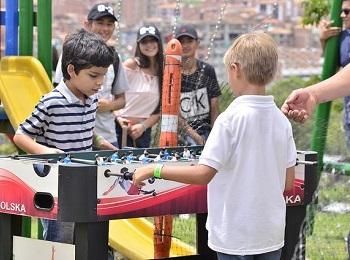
[92, 188]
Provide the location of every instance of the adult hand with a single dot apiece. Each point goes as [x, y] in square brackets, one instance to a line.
[135, 131]
[104, 105]
[327, 31]
[123, 121]
[299, 105]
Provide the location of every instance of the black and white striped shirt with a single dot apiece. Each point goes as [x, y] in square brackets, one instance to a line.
[60, 120]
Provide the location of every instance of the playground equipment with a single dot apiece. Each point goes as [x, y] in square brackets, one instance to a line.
[22, 82]
[330, 67]
[168, 137]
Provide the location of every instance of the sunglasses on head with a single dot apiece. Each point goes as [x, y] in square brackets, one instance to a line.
[345, 11]
[103, 8]
[150, 30]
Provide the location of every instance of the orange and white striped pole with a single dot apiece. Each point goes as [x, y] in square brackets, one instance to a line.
[171, 94]
[168, 137]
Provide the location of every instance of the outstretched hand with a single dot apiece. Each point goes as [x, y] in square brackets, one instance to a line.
[141, 174]
[299, 105]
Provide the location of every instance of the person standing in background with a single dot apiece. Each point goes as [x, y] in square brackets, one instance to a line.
[101, 20]
[145, 76]
[199, 89]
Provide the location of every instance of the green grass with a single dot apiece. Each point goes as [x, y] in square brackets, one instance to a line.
[185, 229]
[330, 229]
[328, 238]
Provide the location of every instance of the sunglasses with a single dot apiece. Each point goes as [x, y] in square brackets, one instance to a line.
[150, 30]
[104, 8]
[345, 11]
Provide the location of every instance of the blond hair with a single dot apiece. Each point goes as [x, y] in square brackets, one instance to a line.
[256, 54]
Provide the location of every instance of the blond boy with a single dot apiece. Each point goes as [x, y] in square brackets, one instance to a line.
[247, 162]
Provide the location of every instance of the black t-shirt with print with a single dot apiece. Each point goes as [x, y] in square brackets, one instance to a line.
[197, 90]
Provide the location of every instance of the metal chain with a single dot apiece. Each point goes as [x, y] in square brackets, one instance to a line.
[176, 17]
[118, 16]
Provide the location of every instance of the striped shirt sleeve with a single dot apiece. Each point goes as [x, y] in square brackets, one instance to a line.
[35, 124]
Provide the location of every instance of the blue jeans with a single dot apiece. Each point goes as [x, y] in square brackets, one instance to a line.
[57, 231]
[274, 255]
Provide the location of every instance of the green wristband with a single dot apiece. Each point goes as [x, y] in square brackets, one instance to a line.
[157, 171]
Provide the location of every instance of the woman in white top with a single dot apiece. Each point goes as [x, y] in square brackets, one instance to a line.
[144, 73]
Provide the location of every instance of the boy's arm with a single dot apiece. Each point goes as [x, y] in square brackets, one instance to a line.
[102, 144]
[290, 176]
[198, 174]
[27, 144]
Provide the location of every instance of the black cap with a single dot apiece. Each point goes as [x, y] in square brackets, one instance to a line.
[148, 30]
[186, 30]
[101, 10]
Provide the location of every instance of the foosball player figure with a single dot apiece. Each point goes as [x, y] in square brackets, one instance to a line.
[186, 153]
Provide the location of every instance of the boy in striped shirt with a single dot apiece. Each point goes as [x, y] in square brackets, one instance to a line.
[64, 119]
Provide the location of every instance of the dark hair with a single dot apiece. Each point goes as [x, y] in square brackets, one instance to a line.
[55, 57]
[145, 61]
[84, 50]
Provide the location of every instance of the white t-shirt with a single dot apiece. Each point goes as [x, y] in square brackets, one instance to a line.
[105, 121]
[250, 146]
[143, 95]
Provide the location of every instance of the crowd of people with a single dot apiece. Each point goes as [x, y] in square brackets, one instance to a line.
[102, 102]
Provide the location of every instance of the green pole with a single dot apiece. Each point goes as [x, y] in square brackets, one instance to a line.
[319, 133]
[330, 67]
[44, 24]
[26, 49]
[26, 19]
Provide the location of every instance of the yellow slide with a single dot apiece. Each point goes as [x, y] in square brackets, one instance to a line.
[23, 81]
[133, 238]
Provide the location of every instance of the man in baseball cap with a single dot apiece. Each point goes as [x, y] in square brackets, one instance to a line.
[186, 30]
[101, 20]
[101, 10]
[199, 86]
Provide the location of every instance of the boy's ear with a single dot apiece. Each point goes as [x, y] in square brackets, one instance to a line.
[234, 68]
[70, 70]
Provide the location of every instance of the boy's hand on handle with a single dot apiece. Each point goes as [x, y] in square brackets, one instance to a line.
[141, 174]
[299, 105]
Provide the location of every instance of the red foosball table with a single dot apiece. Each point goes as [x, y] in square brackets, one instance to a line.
[92, 188]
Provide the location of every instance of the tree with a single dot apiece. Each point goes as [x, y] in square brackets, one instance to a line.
[314, 11]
